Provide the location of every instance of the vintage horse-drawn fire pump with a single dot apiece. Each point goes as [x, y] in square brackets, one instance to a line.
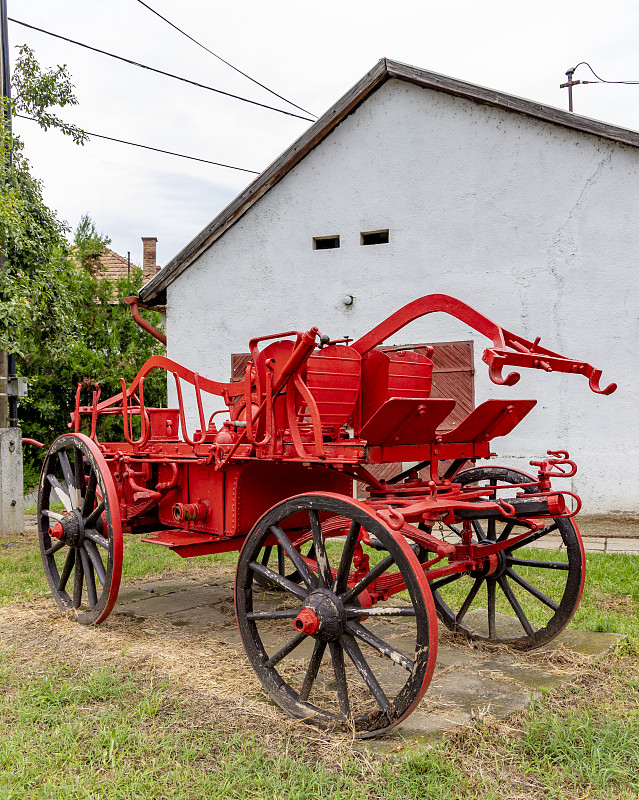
[336, 598]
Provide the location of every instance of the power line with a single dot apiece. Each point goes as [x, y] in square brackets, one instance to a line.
[160, 72]
[601, 80]
[156, 149]
[228, 63]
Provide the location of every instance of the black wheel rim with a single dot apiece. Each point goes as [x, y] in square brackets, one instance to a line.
[531, 598]
[351, 674]
[82, 563]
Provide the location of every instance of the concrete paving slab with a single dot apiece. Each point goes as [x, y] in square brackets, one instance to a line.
[586, 643]
[618, 545]
[549, 543]
[162, 604]
[133, 592]
[479, 692]
[596, 544]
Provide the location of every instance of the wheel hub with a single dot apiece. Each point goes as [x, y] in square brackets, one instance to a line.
[70, 529]
[322, 616]
[491, 567]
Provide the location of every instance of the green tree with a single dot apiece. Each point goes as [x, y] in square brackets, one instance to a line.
[89, 244]
[64, 324]
[87, 337]
[32, 244]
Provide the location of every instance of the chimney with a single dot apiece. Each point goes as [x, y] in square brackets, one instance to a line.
[149, 266]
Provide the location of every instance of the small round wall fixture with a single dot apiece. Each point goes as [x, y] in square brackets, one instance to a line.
[347, 299]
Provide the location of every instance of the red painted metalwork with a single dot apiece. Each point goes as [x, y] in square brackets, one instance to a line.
[309, 416]
[34, 442]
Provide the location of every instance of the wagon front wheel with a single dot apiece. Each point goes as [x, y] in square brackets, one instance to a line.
[352, 646]
[532, 594]
[79, 528]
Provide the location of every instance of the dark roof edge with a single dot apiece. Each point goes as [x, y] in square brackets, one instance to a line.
[509, 102]
[155, 290]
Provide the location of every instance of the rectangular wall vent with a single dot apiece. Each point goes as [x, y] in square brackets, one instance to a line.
[374, 237]
[325, 242]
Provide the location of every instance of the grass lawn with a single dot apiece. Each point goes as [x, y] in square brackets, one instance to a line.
[119, 731]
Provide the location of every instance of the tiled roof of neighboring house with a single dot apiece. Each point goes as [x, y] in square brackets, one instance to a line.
[113, 266]
[155, 290]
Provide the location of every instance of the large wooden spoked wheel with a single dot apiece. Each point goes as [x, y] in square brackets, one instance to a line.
[79, 528]
[321, 649]
[529, 598]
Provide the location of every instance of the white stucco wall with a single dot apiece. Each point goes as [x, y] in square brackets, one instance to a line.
[532, 224]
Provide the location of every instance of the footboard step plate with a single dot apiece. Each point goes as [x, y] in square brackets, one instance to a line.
[177, 538]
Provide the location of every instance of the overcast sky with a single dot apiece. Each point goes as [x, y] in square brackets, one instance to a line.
[310, 53]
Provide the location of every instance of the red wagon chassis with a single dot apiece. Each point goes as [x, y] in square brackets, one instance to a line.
[323, 580]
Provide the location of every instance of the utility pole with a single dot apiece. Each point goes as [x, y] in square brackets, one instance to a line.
[11, 488]
[569, 85]
[6, 92]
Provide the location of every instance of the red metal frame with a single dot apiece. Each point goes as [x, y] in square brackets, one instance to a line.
[309, 416]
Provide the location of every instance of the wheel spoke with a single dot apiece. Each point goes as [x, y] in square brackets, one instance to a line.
[507, 531]
[366, 581]
[362, 633]
[435, 585]
[94, 555]
[491, 526]
[323, 567]
[266, 554]
[481, 536]
[66, 570]
[355, 654]
[532, 589]
[265, 615]
[532, 538]
[341, 579]
[96, 537]
[95, 514]
[288, 648]
[60, 492]
[300, 565]
[524, 562]
[77, 581]
[510, 596]
[337, 656]
[381, 611]
[469, 599]
[63, 458]
[54, 548]
[89, 579]
[492, 627]
[52, 514]
[281, 564]
[78, 470]
[280, 580]
[313, 669]
[89, 497]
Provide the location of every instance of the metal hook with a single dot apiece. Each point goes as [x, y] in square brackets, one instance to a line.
[593, 382]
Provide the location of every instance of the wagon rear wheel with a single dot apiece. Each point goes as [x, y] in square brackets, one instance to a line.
[322, 649]
[533, 593]
[79, 528]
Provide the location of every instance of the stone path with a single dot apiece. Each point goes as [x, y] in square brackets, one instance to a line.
[467, 684]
